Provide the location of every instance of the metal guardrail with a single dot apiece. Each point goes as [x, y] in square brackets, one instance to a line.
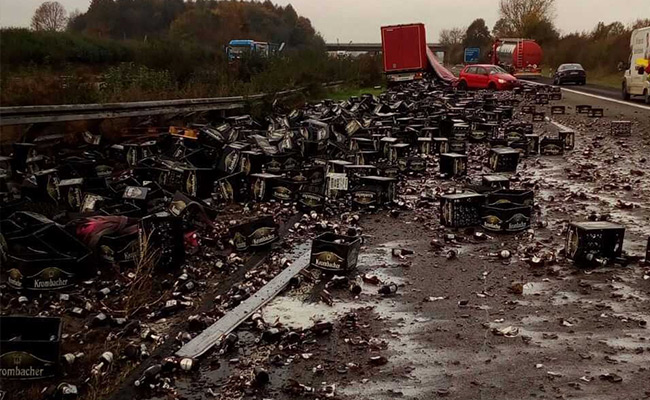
[80, 112]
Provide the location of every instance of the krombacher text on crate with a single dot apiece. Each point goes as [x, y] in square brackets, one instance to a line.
[29, 347]
[551, 147]
[311, 197]
[254, 233]
[506, 217]
[283, 189]
[40, 255]
[260, 185]
[337, 253]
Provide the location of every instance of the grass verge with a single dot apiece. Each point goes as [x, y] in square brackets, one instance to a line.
[345, 92]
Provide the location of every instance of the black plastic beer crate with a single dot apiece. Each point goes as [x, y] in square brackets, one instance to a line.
[251, 161]
[539, 116]
[336, 253]
[387, 185]
[355, 172]
[230, 157]
[515, 196]
[621, 128]
[506, 217]
[558, 110]
[533, 138]
[523, 146]
[440, 145]
[397, 151]
[586, 241]
[425, 145]
[496, 181]
[457, 146]
[311, 197]
[596, 112]
[482, 131]
[40, 255]
[230, 189]
[460, 210]
[70, 192]
[366, 157]
[260, 185]
[503, 159]
[384, 146]
[568, 136]
[528, 109]
[411, 164]
[452, 164]
[161, 234]
[254, 233]
[29, 347]
[551, 147]
[284, 189]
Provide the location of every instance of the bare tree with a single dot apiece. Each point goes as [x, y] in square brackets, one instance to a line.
[453, 36]
[49, 16]
[452, 40]
[519, 14]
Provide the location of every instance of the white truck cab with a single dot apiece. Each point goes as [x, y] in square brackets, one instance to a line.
[636, 81]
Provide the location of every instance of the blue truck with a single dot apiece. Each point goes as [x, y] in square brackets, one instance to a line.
[236, 48]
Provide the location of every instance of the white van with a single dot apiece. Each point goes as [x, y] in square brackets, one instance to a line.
[636, 81]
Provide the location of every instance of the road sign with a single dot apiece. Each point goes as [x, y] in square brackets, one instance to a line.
[472, 54]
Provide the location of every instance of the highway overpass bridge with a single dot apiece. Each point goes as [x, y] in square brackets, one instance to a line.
[372, 47]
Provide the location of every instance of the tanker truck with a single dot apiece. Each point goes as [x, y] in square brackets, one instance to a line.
[521, 57]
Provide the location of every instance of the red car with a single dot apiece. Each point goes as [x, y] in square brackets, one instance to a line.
[485, 76]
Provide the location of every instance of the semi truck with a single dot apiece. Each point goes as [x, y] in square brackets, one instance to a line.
[520, 57]
[636, 81]
[407, 57]
[238, 47]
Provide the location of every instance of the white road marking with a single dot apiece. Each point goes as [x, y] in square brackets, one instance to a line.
[625, 103]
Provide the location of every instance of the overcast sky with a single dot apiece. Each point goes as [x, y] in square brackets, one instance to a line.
[359, 20]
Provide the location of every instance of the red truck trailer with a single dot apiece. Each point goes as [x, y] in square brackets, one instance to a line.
[405, 52]
[407, 56]
[521, 57]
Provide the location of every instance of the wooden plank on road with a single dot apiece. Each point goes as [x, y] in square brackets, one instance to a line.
[229, 322]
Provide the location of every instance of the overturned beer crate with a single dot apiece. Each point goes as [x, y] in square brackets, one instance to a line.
[254, 233]
[40, 255]
[588, 241]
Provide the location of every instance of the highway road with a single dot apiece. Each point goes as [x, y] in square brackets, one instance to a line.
[597, 91]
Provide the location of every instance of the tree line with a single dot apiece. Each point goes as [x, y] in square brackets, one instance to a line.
[120, 50]
[600, 49]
